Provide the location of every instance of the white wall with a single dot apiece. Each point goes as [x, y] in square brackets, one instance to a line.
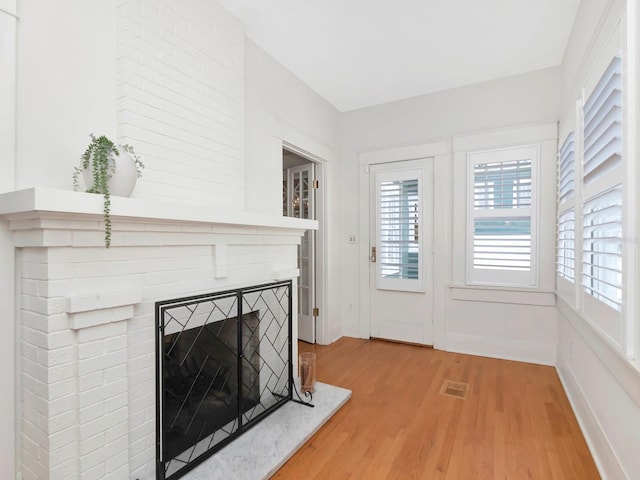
[488, 328]
[603, 386]
[280, 108]
[8, 22]
[66, 86]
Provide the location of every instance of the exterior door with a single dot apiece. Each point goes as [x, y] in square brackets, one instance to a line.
[401, 260]
[301, 204]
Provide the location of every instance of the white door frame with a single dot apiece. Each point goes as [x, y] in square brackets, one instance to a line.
[440, 151]
[322, 336]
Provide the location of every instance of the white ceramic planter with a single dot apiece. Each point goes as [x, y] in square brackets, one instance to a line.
[123, 180]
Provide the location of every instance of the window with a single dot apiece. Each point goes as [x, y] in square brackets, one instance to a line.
[502, 216]
[565, 264]
[602, 190]
[399, 225]
[565, 247]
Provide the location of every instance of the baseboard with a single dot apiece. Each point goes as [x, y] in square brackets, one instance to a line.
[603, 455]
[505, 349]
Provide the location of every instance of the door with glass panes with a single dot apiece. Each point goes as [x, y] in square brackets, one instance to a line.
[301, 204]
[401, 260]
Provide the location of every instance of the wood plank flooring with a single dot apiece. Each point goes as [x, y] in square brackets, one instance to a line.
[516, 422]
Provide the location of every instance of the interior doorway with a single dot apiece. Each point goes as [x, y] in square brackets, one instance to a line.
[300, 186]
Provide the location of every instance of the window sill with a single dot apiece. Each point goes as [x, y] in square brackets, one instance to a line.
[496, 294]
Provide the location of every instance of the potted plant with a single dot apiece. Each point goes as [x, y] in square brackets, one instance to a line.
[108, 169]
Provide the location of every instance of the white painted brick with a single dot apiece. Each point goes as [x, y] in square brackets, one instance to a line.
[29, 287]
[143, 465]
[101, 331]
[34, 271]
[141, 380]
[141, 362]
[101, 455]
[60, 339]
[91, 413]
[64, 471]
[142, 396]
[115, 373]
[33, 468]
[90, 349]
[102, 362]
[54, 288]
[144, 433]
[34, 337]
[104, 393]
[61, 439]
[65, 453]
[62, 388]
[30, 447]
[60, 373]
[95, 473]
[88, 445]
[91, 380]
[32, 404]
[37, 387]
[116, 462]
[114, 344]
[58, 356]
[32, 255]
[29, 351]
[118, 474]
[102, 422]
[116, 402]
[62, 405]
[102, 300]
[59, 422]
[57, 323]
[119, 431]
[35, 370]
[157, 53]
[61, 271]
[94, 318]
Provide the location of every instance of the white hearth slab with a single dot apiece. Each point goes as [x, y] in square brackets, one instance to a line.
[261, 451]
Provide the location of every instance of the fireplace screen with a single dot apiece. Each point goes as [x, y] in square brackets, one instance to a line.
[223, 363]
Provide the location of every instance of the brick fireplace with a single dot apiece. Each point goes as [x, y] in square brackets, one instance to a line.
[85, 316]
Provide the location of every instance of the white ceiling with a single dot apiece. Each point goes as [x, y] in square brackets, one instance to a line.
[357, 53]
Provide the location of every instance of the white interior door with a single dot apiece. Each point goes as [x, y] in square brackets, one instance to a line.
[301, 204]
[401, 246]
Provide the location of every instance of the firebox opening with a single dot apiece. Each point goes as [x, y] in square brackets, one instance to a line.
[220, 370]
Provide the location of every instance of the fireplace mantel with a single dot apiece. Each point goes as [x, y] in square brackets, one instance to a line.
[38, 201]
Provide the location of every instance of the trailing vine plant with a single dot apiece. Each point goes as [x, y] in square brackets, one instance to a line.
[100, 157]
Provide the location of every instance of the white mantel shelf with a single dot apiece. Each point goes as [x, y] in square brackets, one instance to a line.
[39, 199]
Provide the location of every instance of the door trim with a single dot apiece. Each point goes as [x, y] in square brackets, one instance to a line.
[440, 151]
[322, 329]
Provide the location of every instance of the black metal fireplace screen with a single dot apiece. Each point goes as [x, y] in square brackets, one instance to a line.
[223, 363]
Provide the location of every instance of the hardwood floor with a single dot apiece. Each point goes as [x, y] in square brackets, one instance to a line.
[516, 422]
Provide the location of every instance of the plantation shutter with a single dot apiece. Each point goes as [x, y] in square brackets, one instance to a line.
[603, 125]
[501, 216]
[565, 257]
[399, 225]
[602, 248]
[602, 180]
[566, 169]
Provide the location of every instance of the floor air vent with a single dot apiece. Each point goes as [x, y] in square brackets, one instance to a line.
[454, 389]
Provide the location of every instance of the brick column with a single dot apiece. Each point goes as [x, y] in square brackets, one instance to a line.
[100, 325]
